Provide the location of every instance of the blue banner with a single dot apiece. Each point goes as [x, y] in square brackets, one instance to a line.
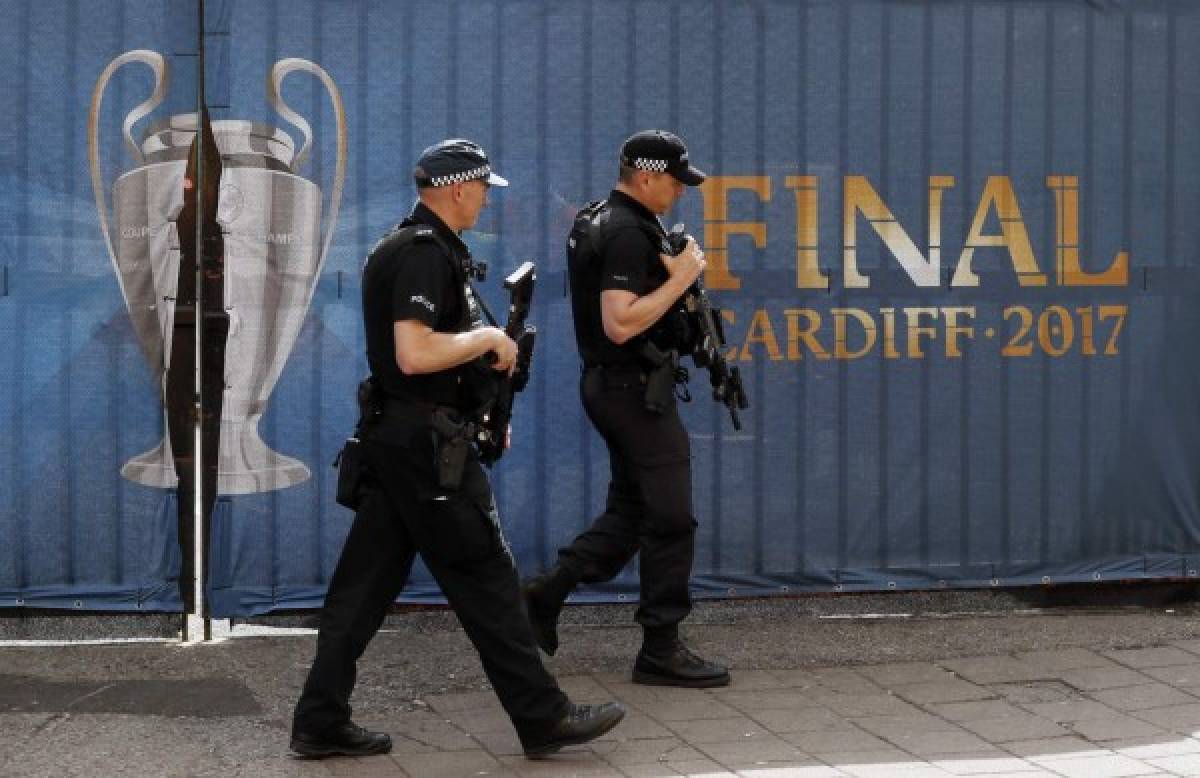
[954, 241]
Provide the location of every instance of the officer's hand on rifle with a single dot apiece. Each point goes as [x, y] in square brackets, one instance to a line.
[687, 265]
[505, 349]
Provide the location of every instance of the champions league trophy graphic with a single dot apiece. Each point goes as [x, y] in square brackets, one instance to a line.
[270, 218]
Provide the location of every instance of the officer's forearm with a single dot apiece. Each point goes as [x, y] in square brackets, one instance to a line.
[626, 316]
[421, 350]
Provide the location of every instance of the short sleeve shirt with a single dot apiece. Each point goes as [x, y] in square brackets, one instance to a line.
[625, 265]
[419, 287]
[414, 280]
[628, 261]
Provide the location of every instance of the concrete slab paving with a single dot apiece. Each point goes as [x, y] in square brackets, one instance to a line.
[976, 709]
[1186, 764]
[1191, 646]
[1075, 708]
[1184, 719]
[1098, 766]
[1157, 656]
[941, 691]
[1179, 676]
[803, 720]
[776, 699]
[919, 721]
[1118, 727]
[844, 680]
[367, 767]
[1090, 679]
[650, 751]
[1063, 659]
[1155, 747]
[994, 669]
[769, 748]
[1092, 706]
[687, 710]
[864, 704]
[18, 728]
[981, 763]
[1028, 692]
[1011, 728]
[1143, 697]
[443, 763]
[846, 741]
[898, 673]
[931, 744]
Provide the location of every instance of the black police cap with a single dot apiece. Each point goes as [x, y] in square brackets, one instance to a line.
[659, 151]
[454, 161]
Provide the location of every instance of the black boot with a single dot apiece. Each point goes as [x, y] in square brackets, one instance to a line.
[544, 597]
[676, 665]
[579, 724]
[347, 739]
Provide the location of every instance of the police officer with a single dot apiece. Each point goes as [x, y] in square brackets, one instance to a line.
[425, 345]
[625, 291]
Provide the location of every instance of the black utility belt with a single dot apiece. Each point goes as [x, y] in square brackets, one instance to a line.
[618, 376]
[420, 411]
[452, 430]
[616, 368]
[655, 384]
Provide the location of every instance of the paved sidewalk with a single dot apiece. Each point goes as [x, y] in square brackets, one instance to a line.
[1061, 713]
[1090, 709]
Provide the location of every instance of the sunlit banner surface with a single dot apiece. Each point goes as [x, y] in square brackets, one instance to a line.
[954, 243]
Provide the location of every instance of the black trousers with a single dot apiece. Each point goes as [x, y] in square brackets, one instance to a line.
[649, 507]
[459, 538]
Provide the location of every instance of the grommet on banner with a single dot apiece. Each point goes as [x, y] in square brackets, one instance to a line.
[943, 584]
[19, 601]
[1191, 573]
[995, 582]
[891, 584]
[837, 587]
[785, 588]
[1045, 579]
[79, 603]
[1095, 576]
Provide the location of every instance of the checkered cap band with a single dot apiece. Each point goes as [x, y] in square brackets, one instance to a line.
[482, 171]
[653, 165]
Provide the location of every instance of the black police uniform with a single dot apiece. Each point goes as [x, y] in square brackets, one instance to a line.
[649, 505]
[404, 512]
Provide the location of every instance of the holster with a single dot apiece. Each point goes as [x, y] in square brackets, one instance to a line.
[452, 438]
[660, 376]
[350, 461]
[352, 471]
[370, 402]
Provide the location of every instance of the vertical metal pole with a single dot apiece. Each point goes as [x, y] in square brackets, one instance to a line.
[196, 627]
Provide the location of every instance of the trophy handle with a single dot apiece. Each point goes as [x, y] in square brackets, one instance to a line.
[158, 64]
[274, 81]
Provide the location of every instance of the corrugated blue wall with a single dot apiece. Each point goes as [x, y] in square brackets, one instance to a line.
[851, 473]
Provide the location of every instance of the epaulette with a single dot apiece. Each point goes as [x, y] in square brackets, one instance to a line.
[405, 234]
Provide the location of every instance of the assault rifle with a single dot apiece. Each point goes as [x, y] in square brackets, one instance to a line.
[493, 426]
[709, 339]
